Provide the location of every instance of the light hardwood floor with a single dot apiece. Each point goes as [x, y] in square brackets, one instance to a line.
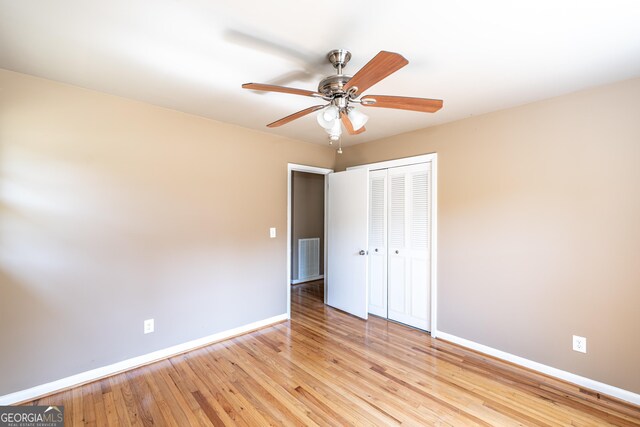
[325, 367]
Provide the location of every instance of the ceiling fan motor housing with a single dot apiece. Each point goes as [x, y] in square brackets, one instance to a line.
[333, 85]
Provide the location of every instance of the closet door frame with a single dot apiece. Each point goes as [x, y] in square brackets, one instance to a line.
[407, 161]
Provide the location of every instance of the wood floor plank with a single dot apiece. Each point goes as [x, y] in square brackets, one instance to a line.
[184, 402]
[191, 384]
[325, 367]
[122, 401]
[169, 407]
[76, 407]
[293, 412]
[146, 403]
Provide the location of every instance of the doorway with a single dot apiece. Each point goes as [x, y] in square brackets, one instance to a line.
[346, 264]
[306, 231]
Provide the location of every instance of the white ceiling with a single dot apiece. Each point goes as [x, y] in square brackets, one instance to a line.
[192, 56]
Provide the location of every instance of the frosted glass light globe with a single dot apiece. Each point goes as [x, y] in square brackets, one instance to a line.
[357, 118]
[328, 116]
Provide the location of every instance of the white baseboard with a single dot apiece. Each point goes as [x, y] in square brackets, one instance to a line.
[308, 279]
[135, 362]
[607, 389]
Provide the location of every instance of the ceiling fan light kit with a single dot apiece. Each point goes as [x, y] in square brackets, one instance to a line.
[341, 91]
[327, 116]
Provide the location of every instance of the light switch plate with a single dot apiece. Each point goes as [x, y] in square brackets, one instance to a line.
[272, 232]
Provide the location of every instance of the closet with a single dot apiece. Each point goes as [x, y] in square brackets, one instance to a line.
[399, 239]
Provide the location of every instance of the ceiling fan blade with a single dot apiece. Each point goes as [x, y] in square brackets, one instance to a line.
[403, 103]
[381, 66]
[294, 116]
[283, 89]
[349, 126]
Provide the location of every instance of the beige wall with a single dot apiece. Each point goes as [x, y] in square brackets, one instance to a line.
[114, 211]
[307, 191]
[539, 228]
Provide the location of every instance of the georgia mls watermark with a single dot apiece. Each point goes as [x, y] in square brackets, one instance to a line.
[31, 416]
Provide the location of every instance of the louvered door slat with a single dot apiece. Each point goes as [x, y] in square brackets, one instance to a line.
[378, 243]
[377, 198]
[397, 211]
[420, 210]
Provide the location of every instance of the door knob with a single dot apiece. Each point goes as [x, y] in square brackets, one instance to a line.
[397, 251]
[376, 249]
[362, 252]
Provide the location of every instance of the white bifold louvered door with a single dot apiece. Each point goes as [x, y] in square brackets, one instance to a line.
[378, 242]
[408, 277]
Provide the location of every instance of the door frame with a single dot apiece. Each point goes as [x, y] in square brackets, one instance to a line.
[291, 167]
[424, 158]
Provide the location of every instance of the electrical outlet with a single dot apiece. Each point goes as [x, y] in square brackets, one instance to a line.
[579, 344]
[148, 326]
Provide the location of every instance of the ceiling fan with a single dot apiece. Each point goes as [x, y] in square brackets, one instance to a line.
[341, 91]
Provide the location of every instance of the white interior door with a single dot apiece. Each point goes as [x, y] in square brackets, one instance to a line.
[378, 242]
[409, 252]
[347, 217]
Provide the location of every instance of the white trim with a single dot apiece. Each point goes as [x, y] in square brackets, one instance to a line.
[308, 279]
[434, 245]
[423, 158]
[135, 362]
[310, 169]
[326, 233]
[407, 161]
[610, 390]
